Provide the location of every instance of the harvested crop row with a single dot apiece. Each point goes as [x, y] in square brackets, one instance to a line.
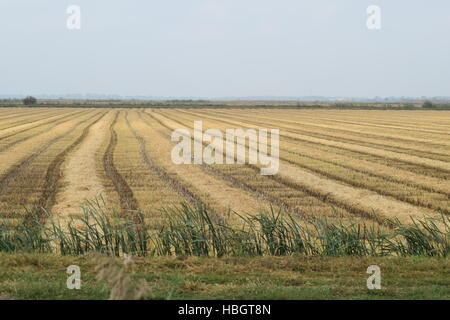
[294, 197]
[24, 183]
[428, 120]
[53, 175]
[19, 113]
[7, 133]
[338, 194]
[81, 180]
[403, 177]
[312, 120]
[407, 130]
[416, 119]
[408, 119]
[11, 112]
[314, 152]
[315, 119]
[35, 122]
[212, 172]
[431, 167]
[150, 192]
[402, 141]
[440, 153]
[18, 136]
[7, 119]
[160, 172]
[29, 147]
[213, 192]
[316, 162]
[328, 147]
[411, 194]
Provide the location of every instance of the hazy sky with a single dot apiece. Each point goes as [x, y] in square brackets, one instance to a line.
[218, 48]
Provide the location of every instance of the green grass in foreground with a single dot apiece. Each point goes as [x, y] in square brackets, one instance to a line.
[194, 255]
[197, 231]
[43, 276]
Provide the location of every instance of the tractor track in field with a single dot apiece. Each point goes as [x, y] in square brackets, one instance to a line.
[325, 198]
[53, 174]
[176, 185]
[126, 197]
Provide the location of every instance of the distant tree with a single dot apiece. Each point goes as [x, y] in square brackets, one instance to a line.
[29, 101]
[428, 104]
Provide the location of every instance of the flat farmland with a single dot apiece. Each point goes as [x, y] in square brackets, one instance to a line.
[357, 164]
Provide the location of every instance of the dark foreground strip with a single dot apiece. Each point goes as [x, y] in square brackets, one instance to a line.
[236, 309]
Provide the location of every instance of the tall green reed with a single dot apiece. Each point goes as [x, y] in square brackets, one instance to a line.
[197, 231]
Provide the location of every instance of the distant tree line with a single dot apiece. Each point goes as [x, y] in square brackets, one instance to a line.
[61, 103]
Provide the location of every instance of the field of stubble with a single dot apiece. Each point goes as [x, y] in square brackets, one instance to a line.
[360, 164]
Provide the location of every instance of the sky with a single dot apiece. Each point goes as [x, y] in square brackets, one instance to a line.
[225, 48]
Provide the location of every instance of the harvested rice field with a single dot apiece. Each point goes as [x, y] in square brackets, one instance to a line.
[363, 165]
